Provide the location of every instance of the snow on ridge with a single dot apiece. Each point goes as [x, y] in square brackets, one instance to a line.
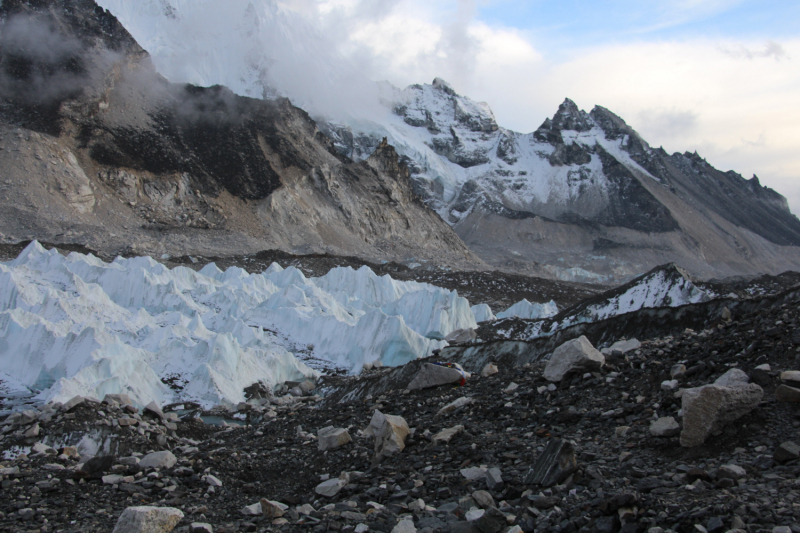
[666, 286]
[76, 325]
[531, 311]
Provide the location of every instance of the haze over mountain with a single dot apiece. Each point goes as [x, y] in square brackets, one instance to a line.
[583, 197]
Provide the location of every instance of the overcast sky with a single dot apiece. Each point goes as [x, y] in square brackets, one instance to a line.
[718, 76]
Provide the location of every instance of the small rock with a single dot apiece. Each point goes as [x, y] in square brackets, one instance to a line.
[555, 464]
[670, 385]
[489, 370]
[785, 393]
[118, 399]
[272, 509]
[455, 404]
[213, 481]
[786, 452]
[33, 431]
[405, 526]
[474, 473]
[731, 471]
[252, 510]
[483, 499]
[446, 434]
[677, 371]
[163, 459]
[494, 479]
[330, 438]
[148, 520]
[200, 527]
[577, 355]
[665, 427]
[330, 488]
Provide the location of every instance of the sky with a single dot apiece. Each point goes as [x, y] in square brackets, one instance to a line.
[720, 77]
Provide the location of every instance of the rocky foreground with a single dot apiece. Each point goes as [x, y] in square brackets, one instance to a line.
[592, 448]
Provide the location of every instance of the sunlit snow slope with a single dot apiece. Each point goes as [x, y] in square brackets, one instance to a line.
[76, 325]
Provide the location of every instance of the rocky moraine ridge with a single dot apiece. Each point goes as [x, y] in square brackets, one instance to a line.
[695, 430]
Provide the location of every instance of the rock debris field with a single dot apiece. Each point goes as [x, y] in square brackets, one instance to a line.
[602, 450]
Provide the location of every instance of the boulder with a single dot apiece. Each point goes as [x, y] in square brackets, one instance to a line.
[164, 459]
[731, 471]
[431, 375]
[330, 438]
[708, 409]
[461, 335]
[390, 434]
[154, 409]
[577, 355]
[791, 377]
[73, 403]
[665, 427]
[555, 464]
[148, 520]
[405, 526]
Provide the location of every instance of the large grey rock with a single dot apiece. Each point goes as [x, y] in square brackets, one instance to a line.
[489, 370]
[665, 427]
[555, 464]
[461, 335]
[708, 409]
[390, 434]
[577, 355]
[148, 520]
[165, 459]
[329, 438]
[431, 375]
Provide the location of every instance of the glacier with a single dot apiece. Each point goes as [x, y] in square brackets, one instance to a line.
[75, 325]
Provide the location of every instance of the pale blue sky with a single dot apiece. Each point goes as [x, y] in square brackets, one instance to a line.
[554, 25]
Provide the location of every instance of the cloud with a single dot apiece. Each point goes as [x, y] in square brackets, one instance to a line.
[771, 49]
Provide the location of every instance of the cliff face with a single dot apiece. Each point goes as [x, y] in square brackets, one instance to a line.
[99, 148]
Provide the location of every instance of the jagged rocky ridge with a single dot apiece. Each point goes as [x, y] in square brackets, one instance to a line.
[98, 148]
[584, 195]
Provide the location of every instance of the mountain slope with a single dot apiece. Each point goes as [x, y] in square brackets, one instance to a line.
[98, 147]
[584, 196]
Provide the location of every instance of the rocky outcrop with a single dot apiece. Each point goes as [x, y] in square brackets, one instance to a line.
[99, 146]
